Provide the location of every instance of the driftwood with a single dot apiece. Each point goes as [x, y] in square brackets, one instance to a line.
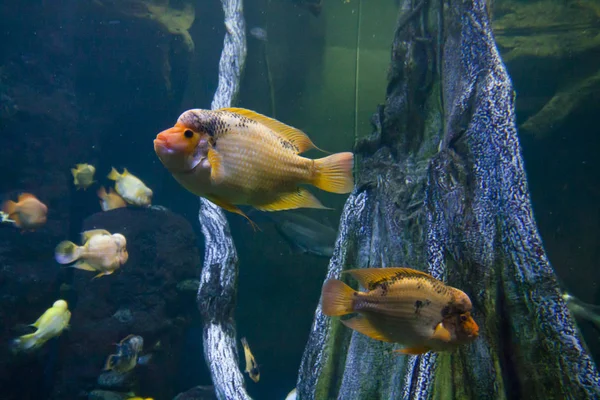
[441, 187]
[218, 281]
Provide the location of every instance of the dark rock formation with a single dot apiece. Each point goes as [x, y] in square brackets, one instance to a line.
[441, 187]
[140, 298]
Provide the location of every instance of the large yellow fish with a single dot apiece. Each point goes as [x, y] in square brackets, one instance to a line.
[235, 156]
[50, 324]
[403, 305]
[28, 213]
[131, 188]
[83, 175]
[101, 252]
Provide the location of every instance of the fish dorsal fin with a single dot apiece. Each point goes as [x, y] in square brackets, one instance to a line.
[87, 235]
[298, 138]
[125, 172]
[370, 277]
[25, 196]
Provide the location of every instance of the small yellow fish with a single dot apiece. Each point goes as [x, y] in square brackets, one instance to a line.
[83, 175]
[131, 188]
[28, 213]
[49, 325]
[101, 252]
[235, 156]
[403, 305]
[110, 200]
[251, 365]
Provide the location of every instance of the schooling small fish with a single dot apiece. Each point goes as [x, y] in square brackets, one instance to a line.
[251, 365]
[131, 188]
[583, 310]
[405, 306]
[235, 156]
[128, 355]
[83, 175]
[111, 200]
[101, 252]
[51, 324]
[28, 213]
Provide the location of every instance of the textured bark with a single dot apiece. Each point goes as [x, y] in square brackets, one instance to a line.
[218, 280]
[441, 187]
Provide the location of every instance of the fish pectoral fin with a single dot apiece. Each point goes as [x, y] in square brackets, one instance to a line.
[413, 351]
[300, 198]
[441, 333]
[87, 235]
[362, 325]
[231, 208]
[84, 266]
[298, 138]
[216, 166]
[368, 276]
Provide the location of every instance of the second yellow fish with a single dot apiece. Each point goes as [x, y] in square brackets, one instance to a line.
[51, 324]
[235, 156]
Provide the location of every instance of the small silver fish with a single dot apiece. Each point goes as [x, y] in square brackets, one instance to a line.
[259, 33]
[304, 234]
[583, 310]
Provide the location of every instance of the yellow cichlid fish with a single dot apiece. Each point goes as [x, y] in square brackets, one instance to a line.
[251, 365]
[110, 200]
[101, 252]
[51, 324]
[235, 156]
[83, 175]
[28, 213]
[403, 305]
[131, 188]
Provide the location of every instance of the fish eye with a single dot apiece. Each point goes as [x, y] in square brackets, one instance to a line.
[188, 134]
[463, 318]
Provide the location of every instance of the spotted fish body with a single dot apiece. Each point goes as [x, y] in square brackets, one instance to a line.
[238, 157]
[404, 306]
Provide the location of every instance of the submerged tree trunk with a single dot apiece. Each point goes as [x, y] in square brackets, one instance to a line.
[218, 281]
[441, 187]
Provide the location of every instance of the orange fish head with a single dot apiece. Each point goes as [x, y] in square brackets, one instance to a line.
[467, 328]
[181, 148]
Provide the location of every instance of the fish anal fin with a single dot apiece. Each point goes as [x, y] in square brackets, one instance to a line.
[231, 208]
[367, 277]
[361, 324]
[84, 266]
[413, 351]
[298, 138]
[216, 166]
[101, 274]
[441, 333]
[87, 235]
[300, 198]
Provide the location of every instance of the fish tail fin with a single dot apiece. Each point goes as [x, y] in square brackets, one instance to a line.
[9, 207]
[101, 192]
[337, 298]
[24, 343]
[111, 362]
[114, 175]
[66, 252]
[334, 173]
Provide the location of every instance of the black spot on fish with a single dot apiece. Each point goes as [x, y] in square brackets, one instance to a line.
[445, 311]
[418, 305]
